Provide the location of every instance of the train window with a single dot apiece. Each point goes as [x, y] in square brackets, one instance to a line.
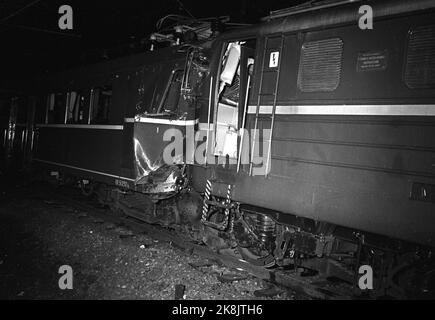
[420, 58]
[172, 94]
[320, 65]
[197, 69]
[75, 107]
[150, 81]
[56, 107]
[101, 98]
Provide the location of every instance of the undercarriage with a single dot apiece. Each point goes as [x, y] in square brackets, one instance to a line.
[273, 240]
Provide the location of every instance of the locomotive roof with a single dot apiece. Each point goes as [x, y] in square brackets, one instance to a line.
[112, 66]
[328, 15]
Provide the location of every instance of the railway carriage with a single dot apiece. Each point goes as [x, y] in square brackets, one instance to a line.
[106, 122]
[316, 139]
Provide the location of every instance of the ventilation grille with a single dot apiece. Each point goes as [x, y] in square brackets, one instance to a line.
[320, 65]
[420, 60]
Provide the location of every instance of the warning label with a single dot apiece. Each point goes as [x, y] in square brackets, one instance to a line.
[274, 59]
[372, 61]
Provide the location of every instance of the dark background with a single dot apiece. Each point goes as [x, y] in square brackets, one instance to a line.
[31, 41]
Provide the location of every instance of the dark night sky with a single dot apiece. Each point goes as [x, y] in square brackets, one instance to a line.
[32, 42]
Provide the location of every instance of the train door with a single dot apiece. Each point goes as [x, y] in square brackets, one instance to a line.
[235, 81]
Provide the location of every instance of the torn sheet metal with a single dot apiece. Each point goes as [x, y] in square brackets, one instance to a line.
[153, 175]
[173, 105]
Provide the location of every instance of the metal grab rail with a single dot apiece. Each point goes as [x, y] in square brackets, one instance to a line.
[245, 110]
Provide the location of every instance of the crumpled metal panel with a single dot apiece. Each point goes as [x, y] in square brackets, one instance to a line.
[144, 163]
[153, 175]
[173, 83]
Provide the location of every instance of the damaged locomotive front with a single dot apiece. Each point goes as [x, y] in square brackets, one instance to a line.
[160, 128]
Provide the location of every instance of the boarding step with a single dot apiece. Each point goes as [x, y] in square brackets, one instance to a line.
[208, 204]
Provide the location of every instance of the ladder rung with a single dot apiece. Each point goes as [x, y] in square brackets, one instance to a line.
[267, 94]
[219, 226]
[275, 70]
[218, 204]
[219, 182]
[274, 95]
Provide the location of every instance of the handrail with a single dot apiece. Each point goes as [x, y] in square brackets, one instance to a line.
[208, 119]
[245, 110]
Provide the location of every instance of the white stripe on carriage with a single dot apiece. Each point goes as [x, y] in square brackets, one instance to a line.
[162, 121]
[359, 110]
[203, 126]
[82, 126]
[83, 169]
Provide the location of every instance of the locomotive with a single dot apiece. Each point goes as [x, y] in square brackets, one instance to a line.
[303, 141]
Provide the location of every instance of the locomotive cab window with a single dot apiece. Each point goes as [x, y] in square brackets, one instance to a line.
[234, 86]
[101, 101]
[169, 103]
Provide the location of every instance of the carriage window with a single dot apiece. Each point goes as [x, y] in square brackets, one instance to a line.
[320, 65]
[420, 58]
[101, 98]
[56, 104]
[76, 105]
